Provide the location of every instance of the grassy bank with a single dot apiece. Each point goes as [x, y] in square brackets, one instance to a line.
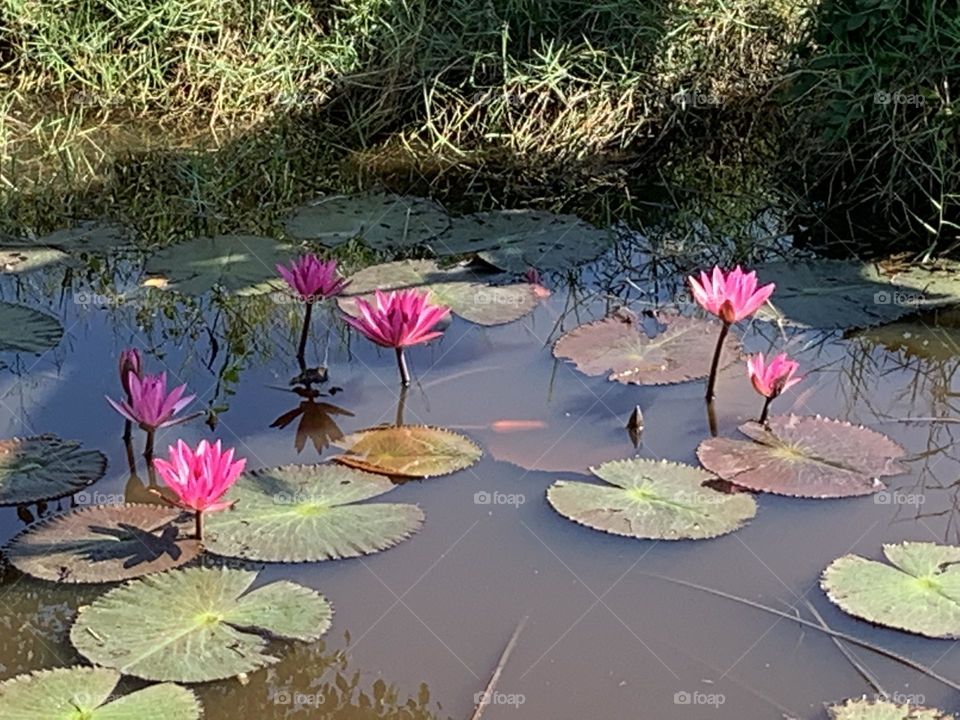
[202, 116]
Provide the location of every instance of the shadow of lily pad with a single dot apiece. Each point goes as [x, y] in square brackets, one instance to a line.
[23, 329]
[804, 456]
[655, 500]
[85, 693]
[305, 513]
[196, 625]
[618, 347]
[919, 591]
[864, 709]
[408, 451]
[45, 467]
[108, 543]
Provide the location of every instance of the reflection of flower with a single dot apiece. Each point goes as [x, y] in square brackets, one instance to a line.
[316, 424]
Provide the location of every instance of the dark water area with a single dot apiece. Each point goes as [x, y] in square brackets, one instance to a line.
[422, 625]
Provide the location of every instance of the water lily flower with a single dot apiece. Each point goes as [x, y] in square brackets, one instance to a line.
[130, 362]
[311, 279]
[150, 406]
[731, 296]
[200, 477]
[399, 319]
[773, 378]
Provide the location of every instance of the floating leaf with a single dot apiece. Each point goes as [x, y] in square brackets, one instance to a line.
[88, 236]
[409, 451]
[463, 292]
[45, 467]
[104, 544]
[918, 592]
[804, 457]
[514, 240]
[83, 693]
[932, 336]
[384, 222]
[863, 709]
[651, 499]
[617, 346]
[23, 329]
[26, 259]
[196, 625]
[238, 264]
[304, 513]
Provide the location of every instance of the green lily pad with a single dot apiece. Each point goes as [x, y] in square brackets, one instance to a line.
[88, 236]
[196, 625]
[841, 294]
[408, 451]
[23, 329]
[463, 292]
[384, 222]
[919, 591]
[800, 456]
[931, 336]
[651, 499]
[863, 709]
[305, 513]
[618, 347]
[237, 264]
[108, 543]
[514, 240]
[83, 693]
[26, 259]
[45, 467]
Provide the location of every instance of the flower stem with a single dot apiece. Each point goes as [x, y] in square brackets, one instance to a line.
[198, 518]
[148, 447]
[766, 408]
[402, 364]
[302, 349]
[711, 418]
[401, 405]
[127, 431]
[711, 383]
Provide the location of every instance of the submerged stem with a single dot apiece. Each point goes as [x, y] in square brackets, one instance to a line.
[402, 364]
[716, 361]
[302, 348]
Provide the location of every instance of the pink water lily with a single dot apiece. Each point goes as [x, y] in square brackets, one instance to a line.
[399, 319]
[149, 405]
[312, 278]
[773, 378]
[200, 477]
[731, 296]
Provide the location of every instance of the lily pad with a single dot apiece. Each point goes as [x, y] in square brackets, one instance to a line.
[514, 240]
[88, 236]
[23, 329]
[384, 222]
[196, 625]
[26, 259]
[408, 451]
[45, 467]
[919, 591]
[237, 264]
[463, 292]
[618, 347]
[305, 513]
[931, 336]
[83, 693]
[104, 544]
[841, 294]
[649, 499]
[804, 457]
[863, 709]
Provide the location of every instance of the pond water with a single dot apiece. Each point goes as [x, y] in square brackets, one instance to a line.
[419, 628]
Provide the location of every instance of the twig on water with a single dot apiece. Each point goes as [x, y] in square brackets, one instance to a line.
[864, 671]
[495, 678]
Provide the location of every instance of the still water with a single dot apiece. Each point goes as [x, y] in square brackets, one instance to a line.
[419, 628]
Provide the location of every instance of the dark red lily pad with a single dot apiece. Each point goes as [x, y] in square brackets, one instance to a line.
[619, 347]
[108, 543]
[804, 456]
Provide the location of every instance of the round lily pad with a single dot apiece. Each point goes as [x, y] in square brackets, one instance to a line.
[196, 625]
[237, 264]
[463, 292]
[408, 451]
[803, 456]
[384, 222]
[45, 467]
[864, 709]
[618, 347]
[651, 499]
[108, 543]
[919, 591]
[514, 240]
[88, 236]
[83, 693]
[23, 329]
[25, 259]
[931, 336]
[304, 513]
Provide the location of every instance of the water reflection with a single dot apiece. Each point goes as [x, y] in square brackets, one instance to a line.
[317, 424]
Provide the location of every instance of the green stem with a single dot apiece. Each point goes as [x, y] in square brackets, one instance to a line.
[711, 383]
